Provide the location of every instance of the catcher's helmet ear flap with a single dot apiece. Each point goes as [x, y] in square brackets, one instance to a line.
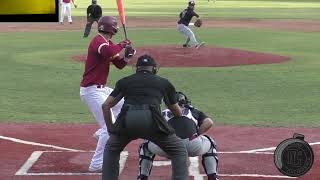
[108, 24]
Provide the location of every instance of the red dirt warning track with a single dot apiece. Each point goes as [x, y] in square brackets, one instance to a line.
[207, 56]
[57, 164]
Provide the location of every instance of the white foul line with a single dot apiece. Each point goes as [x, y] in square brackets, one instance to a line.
[37, 144]
[271, 148]
[257, 175]
[29, 163]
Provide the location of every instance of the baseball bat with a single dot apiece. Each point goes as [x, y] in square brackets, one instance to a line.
[122, 16]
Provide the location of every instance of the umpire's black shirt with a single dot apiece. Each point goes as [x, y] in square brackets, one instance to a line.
[186, 16]
[145, 87]
[94, 11]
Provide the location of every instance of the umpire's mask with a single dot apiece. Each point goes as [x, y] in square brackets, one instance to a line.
[147, 63]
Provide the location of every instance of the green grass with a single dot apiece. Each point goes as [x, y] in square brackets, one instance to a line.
[290, 9]
[39, 82]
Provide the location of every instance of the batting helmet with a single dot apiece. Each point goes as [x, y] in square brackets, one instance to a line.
[182, 99]
[108, 24]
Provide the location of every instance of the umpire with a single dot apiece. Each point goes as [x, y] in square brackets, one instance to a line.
[140, 117]
[94, 12]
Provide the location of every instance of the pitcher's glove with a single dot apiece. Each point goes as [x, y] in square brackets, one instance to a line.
[198, 23]
[129, 52]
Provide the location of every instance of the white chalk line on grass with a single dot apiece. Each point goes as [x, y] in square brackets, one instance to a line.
[271, 148]
[38, 144]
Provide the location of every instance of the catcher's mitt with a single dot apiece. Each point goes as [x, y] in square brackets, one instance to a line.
[198, 23]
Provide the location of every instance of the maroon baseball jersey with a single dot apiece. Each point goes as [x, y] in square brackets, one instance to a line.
[101, 53]
[66, 1]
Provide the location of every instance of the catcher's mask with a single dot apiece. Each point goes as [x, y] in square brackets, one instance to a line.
[182, 99]
[94, 1]
[147, 63]
[108, 24]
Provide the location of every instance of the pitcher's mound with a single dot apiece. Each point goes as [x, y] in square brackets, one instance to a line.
[174, 56]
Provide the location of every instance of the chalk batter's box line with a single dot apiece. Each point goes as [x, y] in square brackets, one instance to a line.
[193, 168]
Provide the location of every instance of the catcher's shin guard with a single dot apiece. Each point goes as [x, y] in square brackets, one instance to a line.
[145, 161]
[210, 161]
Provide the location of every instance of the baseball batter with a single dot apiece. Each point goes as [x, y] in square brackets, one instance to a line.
[66, 6]
[191, 128]
[93, 91]
[185, 18]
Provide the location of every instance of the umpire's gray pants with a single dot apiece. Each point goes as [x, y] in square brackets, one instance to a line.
[186, 31]
[138, 126]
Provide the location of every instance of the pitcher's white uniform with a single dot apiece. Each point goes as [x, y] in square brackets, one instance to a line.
[94, 92]
[66, 6]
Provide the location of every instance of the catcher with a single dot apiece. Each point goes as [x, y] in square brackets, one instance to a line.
[185, 18]
[190, 128]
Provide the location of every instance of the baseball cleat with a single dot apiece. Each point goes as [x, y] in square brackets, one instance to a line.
[186, 45]
[95, 136]
[92, 170]
[200, 45]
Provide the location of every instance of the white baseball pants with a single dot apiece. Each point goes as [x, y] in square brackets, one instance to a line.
[65, 7]
[186, 31]
[94, 97]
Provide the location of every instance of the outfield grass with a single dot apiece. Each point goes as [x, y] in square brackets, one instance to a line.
[40, 83]
[285, 9]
